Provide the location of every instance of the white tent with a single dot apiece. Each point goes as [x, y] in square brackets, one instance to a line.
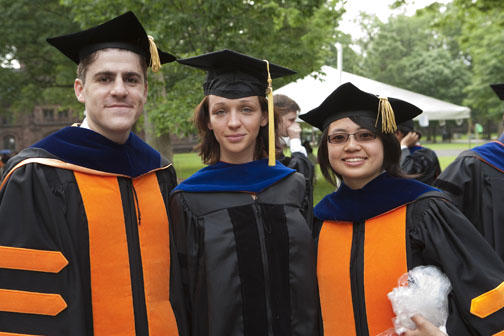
[311, 90]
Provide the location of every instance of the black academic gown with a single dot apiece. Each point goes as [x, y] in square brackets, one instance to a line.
[475, 183]
[242, 252]
[302, 164]
[84, 238]
[435, 233]
[420, 161]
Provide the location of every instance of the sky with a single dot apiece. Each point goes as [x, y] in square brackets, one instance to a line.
[381, 8]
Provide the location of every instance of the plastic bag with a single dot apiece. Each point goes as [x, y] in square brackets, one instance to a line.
[423, 290]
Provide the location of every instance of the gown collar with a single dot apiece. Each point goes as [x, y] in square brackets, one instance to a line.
[382, 194]
[86, 148]
[253, 176]
[493, 153]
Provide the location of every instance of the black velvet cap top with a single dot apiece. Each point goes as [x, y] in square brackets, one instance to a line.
[122, 32]
[233, 75]
[499, 90]
[348, 100]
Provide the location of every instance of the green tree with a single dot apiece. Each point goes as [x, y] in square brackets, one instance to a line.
[411, 53]
[474, 30]
[297, 34]
[351, 58]
[482, 38]
[44, 77]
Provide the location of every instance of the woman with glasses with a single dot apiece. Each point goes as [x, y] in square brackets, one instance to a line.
[380, 224]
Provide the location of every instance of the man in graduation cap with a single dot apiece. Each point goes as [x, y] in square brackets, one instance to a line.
[84, 239]
[415, 159]
[475, 182]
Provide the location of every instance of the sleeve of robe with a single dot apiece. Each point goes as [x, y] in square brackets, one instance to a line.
[184, 264]
[423, 162]
[440, 235]
[303, 165]
[457, 180]
[39, 228]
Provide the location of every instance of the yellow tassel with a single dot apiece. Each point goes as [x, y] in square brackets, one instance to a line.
[387, 116]
[155, 61]
[271, 120]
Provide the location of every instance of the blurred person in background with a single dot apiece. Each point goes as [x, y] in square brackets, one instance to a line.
[420, 162]
[475, 183]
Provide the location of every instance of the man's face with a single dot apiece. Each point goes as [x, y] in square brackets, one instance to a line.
[114, 93]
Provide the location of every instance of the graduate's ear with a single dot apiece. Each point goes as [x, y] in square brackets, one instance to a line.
[264, 118]
[79, 90]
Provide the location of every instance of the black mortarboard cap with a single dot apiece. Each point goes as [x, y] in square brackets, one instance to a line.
[122, 32]
[499, 90]
[348, 100]
[233, 75]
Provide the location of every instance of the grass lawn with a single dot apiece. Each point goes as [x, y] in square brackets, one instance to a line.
[187, 164]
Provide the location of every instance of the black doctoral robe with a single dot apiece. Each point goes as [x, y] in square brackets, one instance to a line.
[360, 224]
[420, 161]
[243, 258]
[475, 183]
[84, 238]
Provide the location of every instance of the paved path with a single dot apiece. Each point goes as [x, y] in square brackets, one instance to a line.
[448, 152]
[455, 152]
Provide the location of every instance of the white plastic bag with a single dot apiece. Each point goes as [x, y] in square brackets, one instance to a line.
[423, 290]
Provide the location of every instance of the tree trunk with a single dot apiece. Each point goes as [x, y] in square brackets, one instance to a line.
[164, 146]
[162, 143]
[489, 129]
[149, 131]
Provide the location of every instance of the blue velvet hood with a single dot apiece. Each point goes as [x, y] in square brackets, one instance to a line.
[86, 148]
[492, 152]
[253, 177]
[382, 194]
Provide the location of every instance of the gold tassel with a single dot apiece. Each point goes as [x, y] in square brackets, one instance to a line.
[387, 115]
[271, 120]
[155, 61]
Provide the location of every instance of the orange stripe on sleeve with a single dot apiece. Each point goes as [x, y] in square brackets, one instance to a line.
[111, 292]
[32, 260]
[16, 301]
[11, 334]
[489, 302]
[333, 273]
[500, 333]
[384, 262]
[155, 250]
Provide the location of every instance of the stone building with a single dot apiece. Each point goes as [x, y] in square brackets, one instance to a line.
[19, 133]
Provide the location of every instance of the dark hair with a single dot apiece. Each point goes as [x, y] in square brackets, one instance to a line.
[84, 64]
[209, 148]
[391, 151]
[284, 104]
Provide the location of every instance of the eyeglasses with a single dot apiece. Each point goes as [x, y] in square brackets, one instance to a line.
[361, 136]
